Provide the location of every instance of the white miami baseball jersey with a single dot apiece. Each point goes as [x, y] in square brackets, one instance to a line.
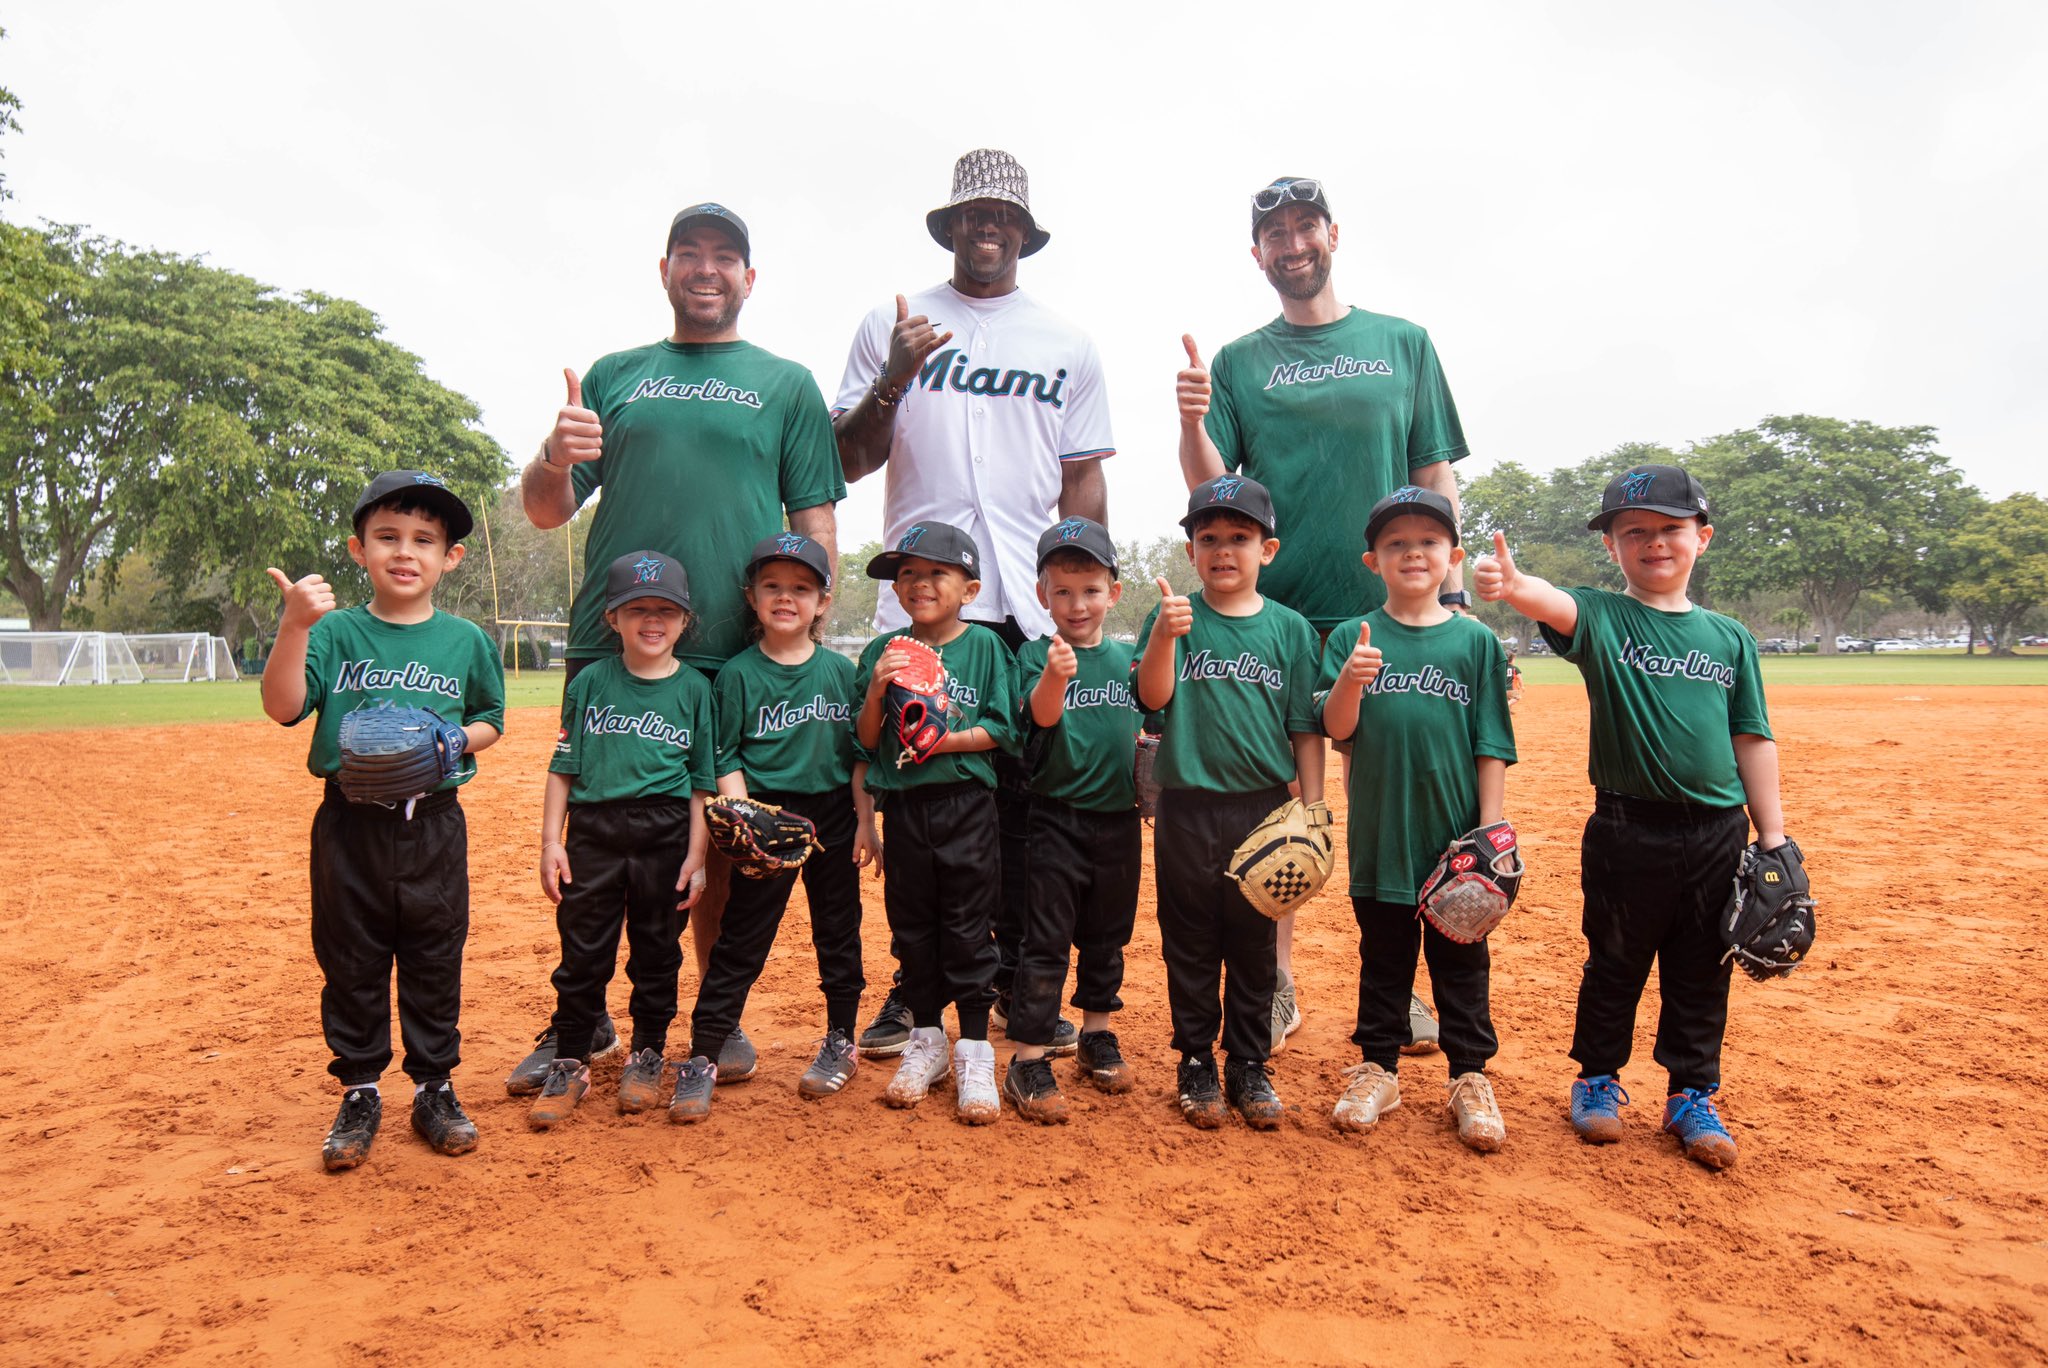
[982, 434]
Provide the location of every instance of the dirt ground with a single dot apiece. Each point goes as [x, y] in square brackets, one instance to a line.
[163, 1097]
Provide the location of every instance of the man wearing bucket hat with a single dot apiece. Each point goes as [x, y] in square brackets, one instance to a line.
[1332, 408]
[985, 411]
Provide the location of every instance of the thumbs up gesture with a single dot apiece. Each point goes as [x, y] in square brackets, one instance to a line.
[578, 436]
[1059, 660]
[1176, 614]
[1191, 386]
[910, 342]
[1494, 576]
[1363, 664]
[305, 602]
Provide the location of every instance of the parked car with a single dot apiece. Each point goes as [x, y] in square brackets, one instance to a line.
[1779, 646]
[1849, 643]
[2034, 641]
[1893, 644]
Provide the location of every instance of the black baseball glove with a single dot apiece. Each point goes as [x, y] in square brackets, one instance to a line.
[761, 839]
[1769, 926]
[390, 754]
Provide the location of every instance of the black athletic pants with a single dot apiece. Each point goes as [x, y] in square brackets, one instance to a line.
[1084, 895]
[1206, 926]
[1012, 913]
[624, 859]
[1389, 935]
[388, 889]
[1656, 878]
[941, 885]
[753, 914]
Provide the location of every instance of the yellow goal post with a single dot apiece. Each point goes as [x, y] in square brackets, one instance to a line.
[516, 624]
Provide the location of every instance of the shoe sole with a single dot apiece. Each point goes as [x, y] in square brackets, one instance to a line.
[1204, 1115]
[1259, 1120]
[819, 1090]
[1353, 1125]
[1419, 1047]
[452, 1147]
[978, 1113]
[1112, 1081]
[902, 1102]
[1481, 1142]
[1045, 1111]
[688, 1118]
[1604, 1133]
[1715, 1154]
[885, 1050]
[342, 1161]
[637, 1103]
[736, 1077]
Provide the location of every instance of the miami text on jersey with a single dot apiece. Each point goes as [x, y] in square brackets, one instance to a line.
[1343, 368]
[1114, 694]
[363, 676]
[665, 387]
[1013, 384]
[1248, 667]
[609, 721]
[1696, 665]
[777, 717]
[1427, 680]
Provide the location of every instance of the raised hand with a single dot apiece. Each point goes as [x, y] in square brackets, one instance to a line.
[1176, 614]
[1494, 576]
[1363, 664]
[305, 602]
[910, 342]
[578, 436]
[1191, 386]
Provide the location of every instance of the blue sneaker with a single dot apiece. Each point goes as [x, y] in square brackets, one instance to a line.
[1690, 1116]
[1596, 1108]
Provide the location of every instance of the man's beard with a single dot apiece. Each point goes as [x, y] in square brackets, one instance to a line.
[1301, 286]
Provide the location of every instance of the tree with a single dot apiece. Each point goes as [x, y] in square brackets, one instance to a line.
[2002, 568]
[1824, 508]
[854, 594]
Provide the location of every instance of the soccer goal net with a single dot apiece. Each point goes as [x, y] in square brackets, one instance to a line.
[181, 657]
[112, 658]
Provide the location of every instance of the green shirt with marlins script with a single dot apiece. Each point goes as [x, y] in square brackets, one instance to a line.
[355, 658]
[1242, 686]
[1669, 693]
[1331, 419]
[705, 445]
[1085, 759]
[1439, 703]
[788, 728]
[627, 737]
[981, 679]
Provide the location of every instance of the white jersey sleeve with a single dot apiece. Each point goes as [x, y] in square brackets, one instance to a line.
[1085, 435]
[865, 358]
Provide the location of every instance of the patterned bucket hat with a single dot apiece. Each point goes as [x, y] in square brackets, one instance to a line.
[987, 174]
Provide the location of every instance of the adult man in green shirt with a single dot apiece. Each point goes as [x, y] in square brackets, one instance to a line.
[703, 443]
[1332, 408]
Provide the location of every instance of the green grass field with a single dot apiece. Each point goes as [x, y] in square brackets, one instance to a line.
[155, 705]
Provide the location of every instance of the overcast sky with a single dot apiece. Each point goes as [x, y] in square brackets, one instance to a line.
[1619, 222]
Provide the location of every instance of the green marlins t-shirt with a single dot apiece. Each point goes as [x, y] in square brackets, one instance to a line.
[1439, 703]
[981, 678]
[788, 728]
[705, 444]
[627, 737]
[1087, 755]
[354, 658]
[1331, 419]
[1241, 687]
[1669, 693]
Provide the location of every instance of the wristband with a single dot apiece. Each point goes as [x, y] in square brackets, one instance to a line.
[889, 398]
[548, 461]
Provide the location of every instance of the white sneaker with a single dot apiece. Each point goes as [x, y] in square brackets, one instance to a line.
[974, 1082]
[1477, 1113]
[1371, 1093]
[924, 1063]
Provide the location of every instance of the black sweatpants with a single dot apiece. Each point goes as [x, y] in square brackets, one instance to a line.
[941, 884]
[390, 890]
[1206, 926]
[624, 859]
[1656, 878]
[753, 914]
[1389, 935]
[1013, 819]
[1084, 895]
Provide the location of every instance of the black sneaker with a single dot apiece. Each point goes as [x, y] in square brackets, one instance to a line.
[1201, 1101]
[889, 1032]
[355, 1126]
[1099, 1061]
[1066, 1036]
[440, 1120]
[525, 1080]
[1031, 1087]
[695, 1078]
[1250, 1090]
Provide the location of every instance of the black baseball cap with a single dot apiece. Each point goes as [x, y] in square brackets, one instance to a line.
[1078, 534]
[646, 574]
[1287, 190]
[718, 216]
[792, 546]
[1655, 488]
[419, 487]
[1410, 499]
[932, 541]
[1235, 494]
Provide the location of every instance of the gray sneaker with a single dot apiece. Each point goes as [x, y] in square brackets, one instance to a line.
[695, 1079]
[640, 1082]
[738, 1060]
[525, 1080]
[1286, 1015]
[1066, 1036]
[1421, 1028]
[830, 1071]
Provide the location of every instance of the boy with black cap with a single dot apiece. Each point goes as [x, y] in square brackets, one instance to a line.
[390, 885]
[1234, 672]
[631, 769]
[1079, 728]
[942, 875]
[1421, 692]
[1681, 745]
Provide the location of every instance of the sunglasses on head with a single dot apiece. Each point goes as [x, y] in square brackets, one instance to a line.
[1273, 196]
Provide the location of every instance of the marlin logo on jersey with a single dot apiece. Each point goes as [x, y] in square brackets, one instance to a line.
[1247, 667]
[609, 721]
[1114, 694]
[1696, 664]
[1071, 529]
[789, 543]
[647, 570]
[665, 387]
[1343, 368]
[363, 676]
[776, 717]
[1427, 680]
[948, 370]
[1636, 485]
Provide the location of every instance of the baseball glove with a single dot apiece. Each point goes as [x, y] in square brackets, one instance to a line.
[390, 754]
[761, 839]
[916, 703]
[1769, 926]
[1284, 860]
[1474, 884]
[1141, 771]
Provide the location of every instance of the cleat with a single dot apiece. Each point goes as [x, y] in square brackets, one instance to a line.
[1286, 1013]
[1201, 1099]
[1035, 1093]
[355, 1126]
[974, 1082]
[889, 1032]
[924, 1062]
[1473, 1107]
[1098, 1060]
[440, 1120]
[834, 1066]
[567, 1081]
[1248, 1085]
[1370, 1093]
[738, 1059]
[695, 1078]
[526, 1080]
[640, 1082]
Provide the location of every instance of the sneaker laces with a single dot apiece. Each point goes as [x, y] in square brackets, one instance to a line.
[1474, 1083]
[1104, 1046]
[980, 1069]
[1696, 1112]
[1362, 1078]
[1598, 1090]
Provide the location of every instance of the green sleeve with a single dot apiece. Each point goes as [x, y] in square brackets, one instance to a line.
[999, 708]
[568, 757]
[484, 694]
[811, 473]
[731, 707]
[703, 722]
[863, 672]
[1434, 433]
[1336, 650]
[1746, 712]
[1493, 727]
[1303, 716]
[1221, 422]
[1138, 657]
